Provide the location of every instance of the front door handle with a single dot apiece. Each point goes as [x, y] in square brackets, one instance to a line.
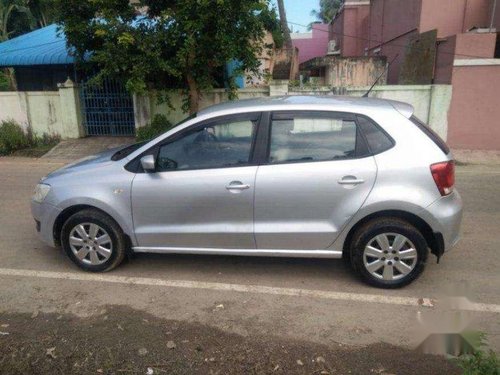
[350, 180]
[237, 185]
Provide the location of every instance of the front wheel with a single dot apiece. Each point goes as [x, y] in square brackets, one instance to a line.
[388, 252]
[93, 241]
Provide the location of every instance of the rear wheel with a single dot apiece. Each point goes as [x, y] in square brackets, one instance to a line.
[388, 252]
[93, 241]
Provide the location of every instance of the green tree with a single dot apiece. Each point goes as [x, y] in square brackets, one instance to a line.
[43, 12]
[162, 43]
[327, 10]
[9, 10]
[12, 15]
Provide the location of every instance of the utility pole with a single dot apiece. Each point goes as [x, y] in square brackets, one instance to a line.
[493, 14]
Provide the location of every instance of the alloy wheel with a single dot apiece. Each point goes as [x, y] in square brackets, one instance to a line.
[390, 256]
[90, 243]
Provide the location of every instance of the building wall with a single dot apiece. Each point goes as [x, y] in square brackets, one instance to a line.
[391, 19]
[312, 44]
[475, 111]
[51, 112]
[431, 102]
[478, 13]
[350, 29]
[452, 17]
[445, 56]
[475, 45]
[393, 23]
[391, 29]
[11, 107]
[355, 30]
[360, 71]
[459, 47]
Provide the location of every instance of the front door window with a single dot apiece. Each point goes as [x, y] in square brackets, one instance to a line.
[218, 145]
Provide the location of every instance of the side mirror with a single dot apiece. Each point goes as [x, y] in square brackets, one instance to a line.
[148, 163]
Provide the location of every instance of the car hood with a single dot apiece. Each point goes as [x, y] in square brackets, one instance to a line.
[87, 163]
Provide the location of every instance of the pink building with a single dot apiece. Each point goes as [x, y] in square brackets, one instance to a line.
[394, 24]
[466, 54]
[435, 41]
[350, 28]
[313, 44]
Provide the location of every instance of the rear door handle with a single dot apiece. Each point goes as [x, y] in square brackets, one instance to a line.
[237, 185]
[350, 180]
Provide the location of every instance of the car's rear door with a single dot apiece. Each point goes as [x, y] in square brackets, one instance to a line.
[317, 175]
[202, 193]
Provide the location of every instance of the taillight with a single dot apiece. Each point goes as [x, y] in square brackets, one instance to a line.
[444, 176]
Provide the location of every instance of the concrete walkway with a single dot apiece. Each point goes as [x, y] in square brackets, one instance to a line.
[73, 149]
[477, 157]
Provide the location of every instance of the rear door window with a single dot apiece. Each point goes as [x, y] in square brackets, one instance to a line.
[431, 134]
[312, 137]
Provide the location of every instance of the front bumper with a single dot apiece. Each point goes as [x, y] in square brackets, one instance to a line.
[445, 217]
[45, 216]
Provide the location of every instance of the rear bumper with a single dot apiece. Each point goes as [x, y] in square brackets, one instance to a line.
[445, 218]
[45, 216]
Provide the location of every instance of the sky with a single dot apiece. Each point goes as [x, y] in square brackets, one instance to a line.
[299, 11]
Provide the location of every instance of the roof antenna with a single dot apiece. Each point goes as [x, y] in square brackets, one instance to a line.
[380, 76]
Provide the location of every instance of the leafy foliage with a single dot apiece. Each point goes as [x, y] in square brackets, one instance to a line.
[13, 15]
[481, 362]
[160, 44]
[158, 126]
[13, 138]
[42, 12]
[4, 81]
[327, 10]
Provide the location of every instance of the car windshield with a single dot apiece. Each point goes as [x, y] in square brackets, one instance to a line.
[126, 151]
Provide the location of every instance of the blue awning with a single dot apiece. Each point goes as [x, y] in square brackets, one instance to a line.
[45, 46]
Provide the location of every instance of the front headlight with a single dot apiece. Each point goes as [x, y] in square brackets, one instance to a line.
[41, 191]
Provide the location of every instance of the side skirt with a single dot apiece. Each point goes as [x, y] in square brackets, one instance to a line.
[330, 254]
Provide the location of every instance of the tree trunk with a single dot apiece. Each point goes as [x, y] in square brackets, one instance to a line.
[284, 25]
[194, 94]
[194, 90]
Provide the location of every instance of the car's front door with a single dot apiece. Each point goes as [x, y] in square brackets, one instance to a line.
[317, 176]
[201, 195]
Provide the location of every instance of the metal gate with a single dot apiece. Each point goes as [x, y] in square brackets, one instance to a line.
[108, 109]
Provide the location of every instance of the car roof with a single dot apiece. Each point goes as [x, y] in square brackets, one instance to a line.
[317, 102]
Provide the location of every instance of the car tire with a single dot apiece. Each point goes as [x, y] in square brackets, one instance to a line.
[388, 253]
[93, 241]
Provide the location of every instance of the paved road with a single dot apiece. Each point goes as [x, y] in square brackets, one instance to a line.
[314, 300]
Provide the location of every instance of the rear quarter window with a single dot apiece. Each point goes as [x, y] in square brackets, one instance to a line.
[378, 141]
[431, 134]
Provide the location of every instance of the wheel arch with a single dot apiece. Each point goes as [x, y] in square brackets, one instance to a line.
[434, 240]
[65, 214]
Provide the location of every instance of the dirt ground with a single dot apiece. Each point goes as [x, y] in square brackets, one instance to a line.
[121, 340]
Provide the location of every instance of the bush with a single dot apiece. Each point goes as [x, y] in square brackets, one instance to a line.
[481, 361]
[4, 81]
[158, 126]
[12, 137]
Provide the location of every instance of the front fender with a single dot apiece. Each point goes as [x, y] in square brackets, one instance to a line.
[122, 216]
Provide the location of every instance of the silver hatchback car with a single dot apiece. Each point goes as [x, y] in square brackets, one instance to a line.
[317, 177]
